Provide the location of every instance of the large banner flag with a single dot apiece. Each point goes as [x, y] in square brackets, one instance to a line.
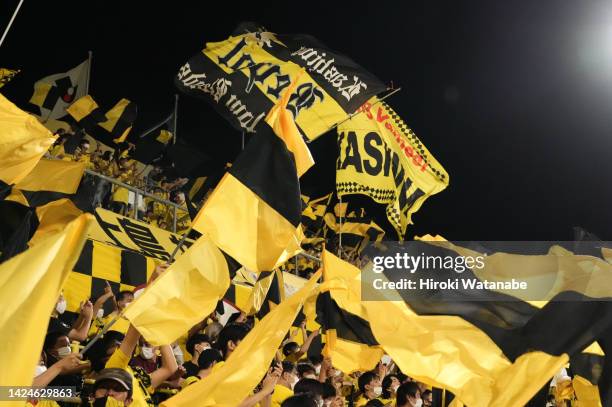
[254, 213]
[382, 158]
[54, 93]
[33, 281]
[515, 346]
[135, 236]
[245, 75]
[23, 142]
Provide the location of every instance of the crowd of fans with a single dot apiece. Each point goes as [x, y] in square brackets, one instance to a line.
[119, 165]
[123, 369]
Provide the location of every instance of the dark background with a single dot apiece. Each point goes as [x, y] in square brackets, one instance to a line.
[512, 98]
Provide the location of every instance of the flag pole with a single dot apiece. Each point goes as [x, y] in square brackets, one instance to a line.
[8, 27]
[340, 231]
[175, 119]
[101, 332]
[90, 53]
[391, 93]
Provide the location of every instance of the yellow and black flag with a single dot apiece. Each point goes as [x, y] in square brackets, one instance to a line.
[381, 157]
[516, 347]
[54, 93]
[151, 144]
[268, 292]
[312, 214]
[246, 74]
[6, 75]
[86, 112]
[254, 213]
[120, 120]
[356, 231]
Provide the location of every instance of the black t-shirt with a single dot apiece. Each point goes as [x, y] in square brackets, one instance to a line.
[191, 368]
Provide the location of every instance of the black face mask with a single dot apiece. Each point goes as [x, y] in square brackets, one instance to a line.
[101, 402]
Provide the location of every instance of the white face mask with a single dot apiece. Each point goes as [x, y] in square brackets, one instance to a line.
[60, 307]
[40, 369]
[101, 313]
[146, 353]
[320, 403]
[318, 369]
[64, 351]
[394, 388]
[294, 382]
[418, 403]
[377, 391]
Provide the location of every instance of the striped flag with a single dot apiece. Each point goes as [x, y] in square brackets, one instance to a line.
[254, 213]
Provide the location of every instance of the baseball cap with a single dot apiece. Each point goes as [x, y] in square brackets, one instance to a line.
[118, 375]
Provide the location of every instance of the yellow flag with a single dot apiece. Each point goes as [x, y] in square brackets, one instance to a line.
[53, 217]
[23, 142]
[281, 120]
[82, 108]
[185, 294]
[231, 383]
[586, 392]
[31, 283]
[54, 175]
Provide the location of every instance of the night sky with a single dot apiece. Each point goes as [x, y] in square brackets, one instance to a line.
[514, 99]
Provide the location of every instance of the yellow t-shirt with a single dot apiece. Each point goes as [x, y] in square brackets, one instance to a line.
[281, 393]
[140, 393]
[121, 325]
[362, 401]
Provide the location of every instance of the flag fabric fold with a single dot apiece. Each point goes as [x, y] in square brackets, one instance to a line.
[183, 295]
[229, 385]
[33, 281]
[54, 175]
[24, 141]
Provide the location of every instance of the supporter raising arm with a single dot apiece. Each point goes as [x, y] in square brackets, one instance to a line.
[81, 326]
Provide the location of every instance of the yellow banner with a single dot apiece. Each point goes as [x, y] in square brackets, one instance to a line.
[130, 234]
[382, 158]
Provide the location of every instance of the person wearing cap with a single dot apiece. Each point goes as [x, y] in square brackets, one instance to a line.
[114, 383]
